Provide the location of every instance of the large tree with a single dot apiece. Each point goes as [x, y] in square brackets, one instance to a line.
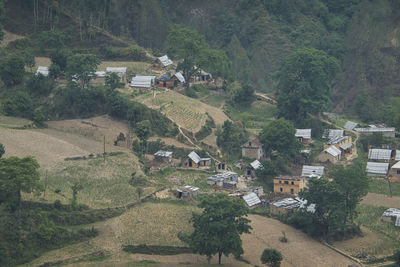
[217, 230]
[230, 137]
[304, 84]
[272, 257]
[353, 185]
[279, 136]
[17, 175]
[81, 68]
[12, 70]
[2, 150]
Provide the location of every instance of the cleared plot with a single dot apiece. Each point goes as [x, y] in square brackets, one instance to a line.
[134, 67]
[104, 184]
[95, 128]
[374, 199]
[173, 178]
[9, 37]
[42, 61]
[13, 122]
[380, 186]
[187, 112]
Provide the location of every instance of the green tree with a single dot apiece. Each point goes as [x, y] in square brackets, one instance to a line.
[244, 96]
[218, 228]
[2, 150]
[113, 81]
[230, 137]
[272, 257]
[38, 117]
[17, 175]
[353, 185]
[279, 136]
[143, 130]
[75, 187]
[304, 83]
[12, 70]
[81, 68]
[52, 39]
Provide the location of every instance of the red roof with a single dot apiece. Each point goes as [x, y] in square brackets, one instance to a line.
[255, 143]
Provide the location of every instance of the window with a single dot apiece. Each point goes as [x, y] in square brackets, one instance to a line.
[286, 182]
[291, 191]
[292, 183]
[398, 171]
[280, 181]
[281, 189]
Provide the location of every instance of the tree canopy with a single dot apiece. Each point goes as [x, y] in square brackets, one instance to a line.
[304, 84]
[272, 257]
[12, 70]
[230, 137]
[2, 150]
[218, 228]
[17, 175]
[81, 68]
[279, 136]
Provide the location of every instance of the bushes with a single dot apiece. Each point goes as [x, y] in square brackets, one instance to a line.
[156, 250]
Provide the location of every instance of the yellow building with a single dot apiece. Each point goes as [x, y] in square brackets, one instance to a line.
[289, 184]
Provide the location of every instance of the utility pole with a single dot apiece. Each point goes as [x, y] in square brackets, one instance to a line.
[104, 148]
[45, 185]
[389, 187]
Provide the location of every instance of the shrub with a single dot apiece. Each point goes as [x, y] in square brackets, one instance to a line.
[272, 257]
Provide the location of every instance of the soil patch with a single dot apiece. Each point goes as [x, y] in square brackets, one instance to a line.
[377, 200]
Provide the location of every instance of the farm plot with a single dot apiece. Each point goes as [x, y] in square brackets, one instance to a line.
[186, 112]
[104, 184]
[132, 66]
[174, 178]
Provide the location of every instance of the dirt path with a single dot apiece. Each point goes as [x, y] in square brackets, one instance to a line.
[381, 200]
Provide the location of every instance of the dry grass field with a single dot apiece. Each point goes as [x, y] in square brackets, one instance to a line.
[187, 112]
[133, 67]
[9, 37]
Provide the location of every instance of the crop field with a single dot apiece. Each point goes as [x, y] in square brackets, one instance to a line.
[174, 178]
[187, 112]
[133, 67]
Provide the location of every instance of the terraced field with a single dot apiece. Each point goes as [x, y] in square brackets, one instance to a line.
[187, 112]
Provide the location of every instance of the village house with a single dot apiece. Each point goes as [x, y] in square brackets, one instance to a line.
[375, 154]
[42, 70]
[252, 200]
[163, 156]
[120, 71]
[386, 131]
[164, 82]
[394, 172]
[142, 81]
[161, 63]
[252, 168]
[285, 205]
[187, 192]
[331, 154]
[377, 169]
[289, 184]
[201, 76]
[259, 190]
[195, 161]
[340, 142]
[303, 135]
[392, 215]
[225, 179]
[253, 149]
[350, 125]
[177, 79]
[312, 171]
[332, 133]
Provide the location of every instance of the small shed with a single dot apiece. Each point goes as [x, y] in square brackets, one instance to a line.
[163, 156]
[304, 135]
[252, 200]
[215, 180]
[120, 71]
[377, 169]
[252, 168]
[380, 154]
[195, 161]
[42, 70]
[202, 76]
[259, 190]
[394, 172]
[338, 141]
[284, 205]
[312, 171]
[177, 79]
[187, 192]
[350, 125]
[142, 81]
[392, 215]
[331, 154]
[161, 63]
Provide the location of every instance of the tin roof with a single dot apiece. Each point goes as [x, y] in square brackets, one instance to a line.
[162, 153]
[337, 140]
[393, 212]
[377, 168]
[142, 81]
[118, 70]
[100, 74]
[331, 133]
[312, 171]
[379, 154]
[375, 129]
[303, 133]
[43, 70]
[251, 199]
[180, 77]
[256, 165]
[346, 146]
[165, 61]
[350, 125]
[334, 151]
[193, 156]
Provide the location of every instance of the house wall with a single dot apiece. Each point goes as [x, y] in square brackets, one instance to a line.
[324, 157]
[394, 173]
[166, 84]
[256, 153]
[297, 186]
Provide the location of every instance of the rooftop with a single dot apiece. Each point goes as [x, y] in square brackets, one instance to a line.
[142, 81]
[43, 70]
[292, 178]
[162, 153]
[350, 125]
[331, 133]
[377, 168]
[256, 165]
[379, 154]
[180, 77]
[255, 143]
[303, 133]
[251, 199]
[196, 158]
[188, 188]
[334, 151]
[337, 140]
[165, 61]
[375, 129]
[312, 171]
[397, 158]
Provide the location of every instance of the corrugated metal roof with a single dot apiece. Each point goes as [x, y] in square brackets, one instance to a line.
[100, 74]
[334, 151]
[337, 140]
[375, 130]
[165, 61]
[256, 165]
[312, 171]
[397, 158]
[350, 125]
[251, 199]
[180, 77]
[162, 153]
[396, 166]
[346, 146]
[303, 133]
[287, 203]
[43, 70]
[121, 71]
[377, 168]
[332, 133]
[193, 156]
[142, 81]
[379, 154]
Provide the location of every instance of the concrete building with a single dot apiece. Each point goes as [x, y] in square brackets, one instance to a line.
[289, 184]
[253, 149]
